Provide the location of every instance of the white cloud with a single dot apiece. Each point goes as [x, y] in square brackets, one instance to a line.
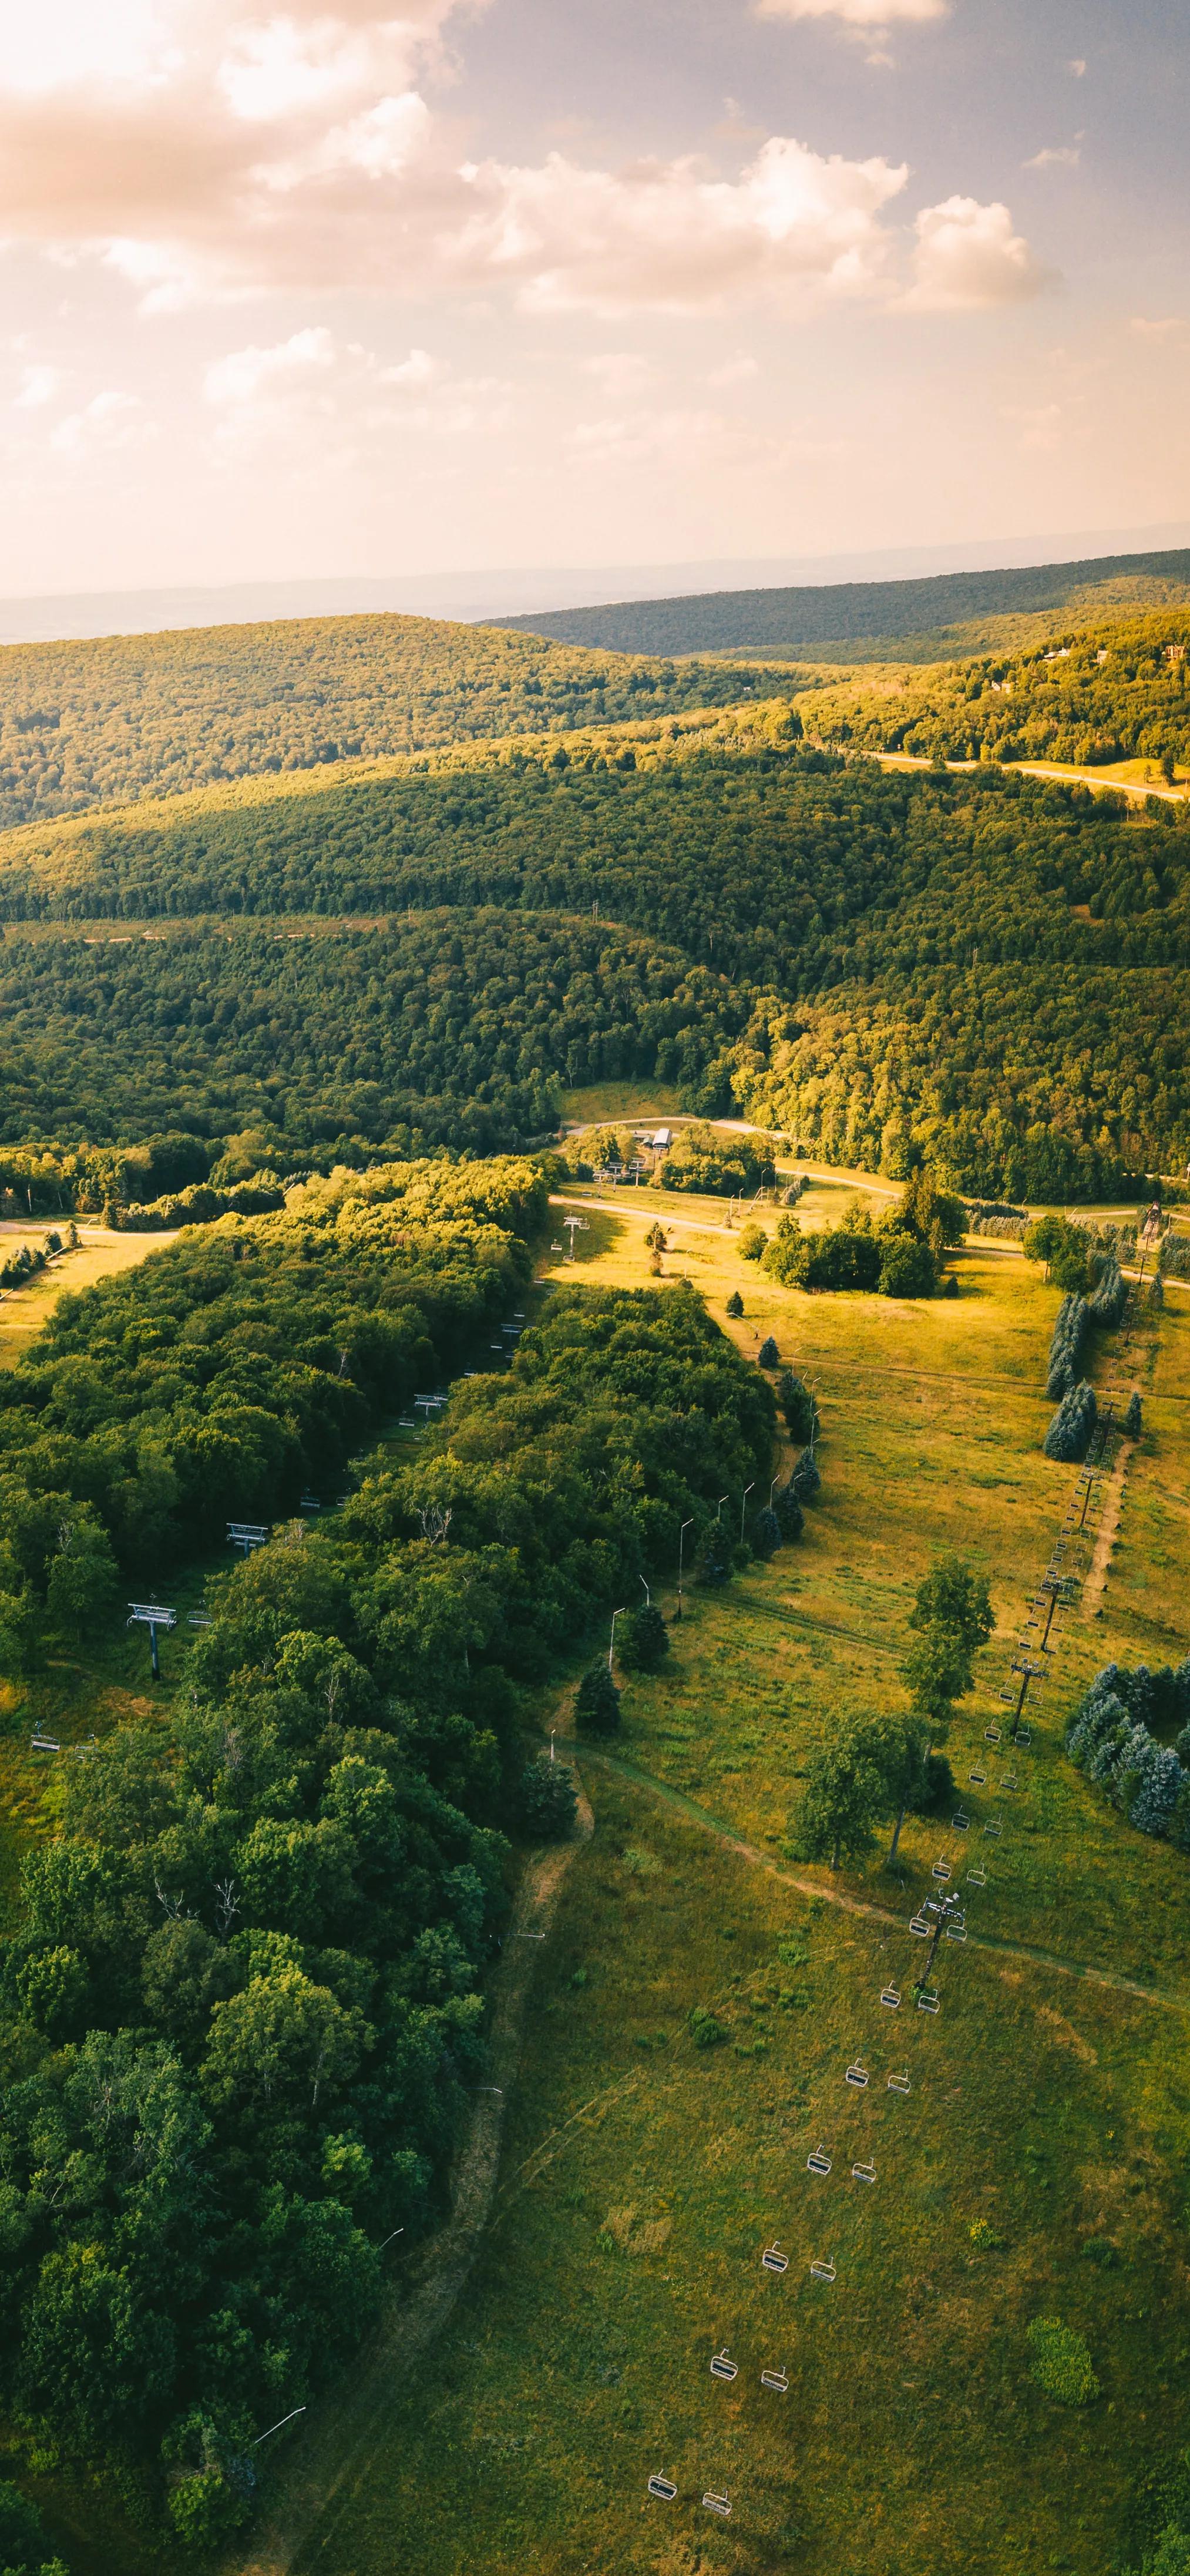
[665, 238]
[240, 381]
[38, 386]
[417, 371]
[968, 257]
[110, 420]
[1078, 67]
[1165, 327]
[735, 371]
[313, 399]
[619, 373]
[1055, 156]
[859, 13]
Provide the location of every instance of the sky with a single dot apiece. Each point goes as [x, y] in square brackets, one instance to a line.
[324, 291]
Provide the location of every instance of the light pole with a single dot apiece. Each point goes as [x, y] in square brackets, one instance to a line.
[748, 1489]
[616, 1614]
[719, 1509]
[648, 1594]
[681, 1547]
[773, 1487]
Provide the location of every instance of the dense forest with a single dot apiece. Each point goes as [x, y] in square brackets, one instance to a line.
[243, 1999]
[983, 969]
[1092, 696]
[456, 1028]
[98, 722]
[862, 620]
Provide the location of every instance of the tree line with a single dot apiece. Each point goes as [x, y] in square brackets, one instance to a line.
[244, 1999]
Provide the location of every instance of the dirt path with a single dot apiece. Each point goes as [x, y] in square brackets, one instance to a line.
[755, 1859]
[1105, 1536]
[332, 2457]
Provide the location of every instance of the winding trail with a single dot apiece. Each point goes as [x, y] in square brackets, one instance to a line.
[336, 2451]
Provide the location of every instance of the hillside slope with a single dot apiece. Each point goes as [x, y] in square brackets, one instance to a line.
[922, 620]
[975, 966]
[95, 723]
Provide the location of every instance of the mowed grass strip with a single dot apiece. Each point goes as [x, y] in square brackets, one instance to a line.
[643, 2175]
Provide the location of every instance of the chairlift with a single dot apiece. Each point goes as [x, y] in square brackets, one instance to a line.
[819, 2162]
[1009, 1781]
[863, 2173]
[941, 1869]
[993, 1827]
[977, 1878]
[928, 1999]
[977, 1778]
[1024, 1735]
[723, 2367]
[920, 1926]
[719, 2504]
[663, 2488]
[898, 2083]
[773, 2260]
[44, 1744]
[890, 1995]
[959, 1822]
[309, 1503]
[777, 2380]
[956, 1931]
[991, 1734]
[857, 2075]
[823, 2270]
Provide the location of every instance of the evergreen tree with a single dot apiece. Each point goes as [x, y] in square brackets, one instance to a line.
[798, 1406]
[791, 1519]
[735, 1303]
[547, 1801]
[1132, 1418]
[766, 1533]
[642, 1639]
[768, 1356]
[597, 1701]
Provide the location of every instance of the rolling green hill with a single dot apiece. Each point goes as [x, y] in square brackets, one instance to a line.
[1092, 696]
[976, 967]
[94, 723]
[921, 621]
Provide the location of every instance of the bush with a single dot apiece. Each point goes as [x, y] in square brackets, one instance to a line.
[907, 1268]
[705, 2030]
[752, 1241]
[22, 2540]
[1060, 2362]
[547, 1801]
[597, 1702]
[735, 1303]
[642, 1640]
[985, 2236]
[768, 1356]
[206, 2509]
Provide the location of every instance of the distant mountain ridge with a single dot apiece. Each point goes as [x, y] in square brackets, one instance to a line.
[952, 611]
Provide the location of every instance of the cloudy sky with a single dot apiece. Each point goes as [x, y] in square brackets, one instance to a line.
[328, 291]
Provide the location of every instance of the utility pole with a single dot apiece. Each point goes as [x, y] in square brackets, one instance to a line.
[681, 1548]
[944, 1911]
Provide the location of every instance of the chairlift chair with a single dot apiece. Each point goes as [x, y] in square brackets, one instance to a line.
[777, 2380]
[898, 2084]
[993, 1827]
[1009, 1781]
[920, 1926]
[719, 2504]
[857, 2075]
[977, 1878]
[941, 1869]
[1024, 1735]
[723, 2367]
[863, 2173]
[823, 2269]
[959, 1822]
[773, 2260]
[819, 2162]
[991, 1734]
[928, 2000]
[956, 1931]
[44, 1744]
[890, 1995]
[977, 1778]
[663, 2488]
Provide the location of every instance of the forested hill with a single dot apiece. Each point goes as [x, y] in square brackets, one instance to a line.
[876, 620]
[97, 722]
[1093, 695]
[973, 966]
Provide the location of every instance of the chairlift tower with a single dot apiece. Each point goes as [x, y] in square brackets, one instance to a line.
[944, 1909]
[153, 1616]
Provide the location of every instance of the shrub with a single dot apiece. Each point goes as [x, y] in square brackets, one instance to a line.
[1133, 1424]
[768, 1356]
[22, 2540]
[597, 1702]
[985, 2236]
[735, 1303]
[642, 1640]
[1060, 2362]
[908, 1268]
[547, 1801]
[752, 1241]
[705, 2030]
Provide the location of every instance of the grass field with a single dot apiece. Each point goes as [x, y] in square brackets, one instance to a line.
[641, 2175]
